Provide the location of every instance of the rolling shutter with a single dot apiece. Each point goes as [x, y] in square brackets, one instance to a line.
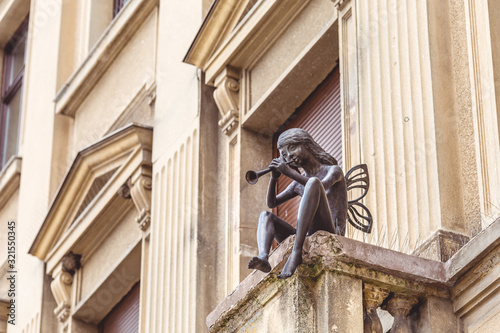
[320, 116]
[124, 318]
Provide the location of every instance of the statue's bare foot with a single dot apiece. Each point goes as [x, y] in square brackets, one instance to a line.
[292, 263]
[260, 263]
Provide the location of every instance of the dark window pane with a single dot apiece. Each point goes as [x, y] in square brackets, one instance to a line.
[118, 6]
[16, 61]
[10, 132]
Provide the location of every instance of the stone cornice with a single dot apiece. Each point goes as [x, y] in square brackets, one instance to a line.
[474, 251]
[247, 42]
[113, 40]
[9, 179]
[219, 21]
[128, 151]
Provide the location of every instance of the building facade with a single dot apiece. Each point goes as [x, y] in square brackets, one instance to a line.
[126, 128]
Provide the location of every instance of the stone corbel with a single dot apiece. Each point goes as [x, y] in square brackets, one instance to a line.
[399, 306]
[140, 191]
[227, 98]
[61, 285]
[373, 297]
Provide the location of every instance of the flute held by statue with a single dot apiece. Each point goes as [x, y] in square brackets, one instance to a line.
[253, 176]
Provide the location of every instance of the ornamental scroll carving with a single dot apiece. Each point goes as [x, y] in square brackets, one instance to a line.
[226, 97]
[373, 297]
[140, 192]
[61, 285]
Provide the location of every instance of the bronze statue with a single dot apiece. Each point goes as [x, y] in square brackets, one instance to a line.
[324, 204]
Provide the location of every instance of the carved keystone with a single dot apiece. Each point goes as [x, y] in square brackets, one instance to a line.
[140, 192]
[373, 297]
[61, 285]
[399, 307]
[227, 99]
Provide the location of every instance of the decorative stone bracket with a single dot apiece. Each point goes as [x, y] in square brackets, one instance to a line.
[226, 97]
[140, 192]
[61, 285]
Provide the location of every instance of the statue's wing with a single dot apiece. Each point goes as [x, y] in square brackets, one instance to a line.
[358, 177]
[358, 214]
[359, 217]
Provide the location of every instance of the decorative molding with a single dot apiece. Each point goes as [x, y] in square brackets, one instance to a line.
[373, 297]
[61, 289]
[10, 178]
[139, 190]
[61, 285]
[399, 306]
[212, 50]
[129, 150]
[226, 97]
[219, 22]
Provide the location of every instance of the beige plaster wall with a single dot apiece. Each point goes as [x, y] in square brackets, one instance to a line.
[132, 69]
[123, 237]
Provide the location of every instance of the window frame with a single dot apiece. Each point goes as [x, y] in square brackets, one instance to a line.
[117, 6]
[9, 90]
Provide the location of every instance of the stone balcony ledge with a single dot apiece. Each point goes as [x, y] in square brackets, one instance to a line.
[358, 262]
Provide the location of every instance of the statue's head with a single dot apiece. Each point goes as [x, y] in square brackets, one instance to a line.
[299, 136]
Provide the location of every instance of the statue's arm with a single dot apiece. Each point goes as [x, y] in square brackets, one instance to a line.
[333, 176]
[274, 200]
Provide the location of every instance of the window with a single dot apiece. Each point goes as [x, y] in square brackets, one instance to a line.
[124, 318]
[12, 84]
[320, 116]
[118, 6]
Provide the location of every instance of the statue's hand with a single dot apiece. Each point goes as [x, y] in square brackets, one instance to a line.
[280, 166]
[275, 163]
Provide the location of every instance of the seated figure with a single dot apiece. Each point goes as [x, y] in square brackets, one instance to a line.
[323, 206]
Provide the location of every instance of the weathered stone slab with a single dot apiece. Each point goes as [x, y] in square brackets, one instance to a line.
[325, 294]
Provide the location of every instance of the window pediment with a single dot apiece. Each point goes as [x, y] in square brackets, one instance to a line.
[88, 197]
[236, 33]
